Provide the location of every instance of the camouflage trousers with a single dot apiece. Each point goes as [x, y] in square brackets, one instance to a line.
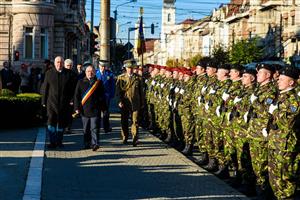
[152, 116]
[188, 127]
[198, 133]
[259, 158]
[177, 125]
[213, 139]
[283, 168]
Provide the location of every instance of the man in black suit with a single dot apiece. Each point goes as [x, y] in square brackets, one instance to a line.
[89, 100]
[57, 93]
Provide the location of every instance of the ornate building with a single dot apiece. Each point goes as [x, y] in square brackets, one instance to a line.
[41, 29]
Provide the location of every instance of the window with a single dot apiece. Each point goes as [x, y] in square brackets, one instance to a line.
[44, 43]
[29, 43]
[293, 20]
[169, 17]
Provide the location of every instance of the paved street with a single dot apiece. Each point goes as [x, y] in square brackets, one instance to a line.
[149, 171]
[15, 154]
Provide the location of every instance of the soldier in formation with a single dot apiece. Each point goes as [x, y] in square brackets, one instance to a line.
[244, 122]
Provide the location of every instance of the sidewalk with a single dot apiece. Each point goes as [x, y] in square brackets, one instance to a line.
[150, 171]
[15, 153]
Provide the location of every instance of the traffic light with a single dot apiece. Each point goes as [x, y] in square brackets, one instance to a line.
[93, 44]
[152, 28]
[16, 56]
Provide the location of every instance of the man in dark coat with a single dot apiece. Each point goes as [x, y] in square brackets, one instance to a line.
[89, 100]
[57, 94]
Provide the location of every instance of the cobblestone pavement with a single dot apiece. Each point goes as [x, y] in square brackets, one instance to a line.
[15, 153]
[150, 171]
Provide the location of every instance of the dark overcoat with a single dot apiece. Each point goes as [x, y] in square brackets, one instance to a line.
[57, 93]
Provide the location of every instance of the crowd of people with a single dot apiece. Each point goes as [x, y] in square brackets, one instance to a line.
[245, 122]
[27, 78]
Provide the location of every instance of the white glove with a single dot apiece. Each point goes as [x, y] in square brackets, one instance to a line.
[170, 102]
[206, 106]
[175, 104]
[212, 91]
[265, 132]
[181, 91]
[299, 94]
[228, 116]
[162, 85]
[199, 101]
[246, 117]
[272, 108]
[225, 96]
[167, 98]
[176, 90]
[253, 98]
[236, 100]
[153, 83]
[218, 111]
[203, 89]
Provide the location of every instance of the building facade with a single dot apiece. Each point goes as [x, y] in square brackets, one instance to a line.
[36, 30]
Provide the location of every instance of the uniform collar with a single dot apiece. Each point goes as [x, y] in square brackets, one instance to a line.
[286, 90]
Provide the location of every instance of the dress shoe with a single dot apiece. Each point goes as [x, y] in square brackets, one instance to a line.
[96, 147]
[134, 141]
[124, 142]
[203, 159]
[212, 165]
[188, 150]
[60, 145]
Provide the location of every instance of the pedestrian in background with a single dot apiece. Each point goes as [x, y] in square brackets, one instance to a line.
[7, 77]
[107, 77]
[89, 100]
[129, 92]
[57, 93]
[25, 75]
[35, 77]
[68, 64]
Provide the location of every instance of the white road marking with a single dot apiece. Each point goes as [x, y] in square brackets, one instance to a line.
[34, 179]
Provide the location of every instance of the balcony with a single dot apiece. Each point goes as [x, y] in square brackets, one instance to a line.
[268, 4]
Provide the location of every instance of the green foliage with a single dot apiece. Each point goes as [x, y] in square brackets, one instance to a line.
[7, 93]
[195, 60]
[21, 110]
[220, 55]
[245, 51]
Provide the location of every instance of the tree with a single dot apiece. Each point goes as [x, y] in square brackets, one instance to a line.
[245, 51]
[194, 60]
[220, 55]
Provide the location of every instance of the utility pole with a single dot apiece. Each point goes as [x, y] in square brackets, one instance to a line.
[105, 30]
[92, 30]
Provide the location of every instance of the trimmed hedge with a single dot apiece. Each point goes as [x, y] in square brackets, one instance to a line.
[22, 110]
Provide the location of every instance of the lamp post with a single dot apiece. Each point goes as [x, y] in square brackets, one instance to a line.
[116, 9]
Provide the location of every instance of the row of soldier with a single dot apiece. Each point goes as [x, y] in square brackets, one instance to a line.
[243, 121]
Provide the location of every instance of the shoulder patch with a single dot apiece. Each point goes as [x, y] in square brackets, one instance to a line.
[269, 101]
[293, 109]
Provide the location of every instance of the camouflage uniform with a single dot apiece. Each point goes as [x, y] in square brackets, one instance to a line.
[213, 100]
[261, 99]
[228, 132]
[284, 145]
[198, 111]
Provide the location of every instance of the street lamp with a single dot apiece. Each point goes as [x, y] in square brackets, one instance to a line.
[116, 9]
[118, 26]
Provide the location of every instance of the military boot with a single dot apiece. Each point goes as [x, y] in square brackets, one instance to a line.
[168, 139]
[212, 165]
[203, 159]
[188, 150]
[222, 172]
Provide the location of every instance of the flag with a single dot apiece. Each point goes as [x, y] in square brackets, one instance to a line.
[141, 46]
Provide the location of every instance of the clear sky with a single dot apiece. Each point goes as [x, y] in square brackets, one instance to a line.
[195, 9]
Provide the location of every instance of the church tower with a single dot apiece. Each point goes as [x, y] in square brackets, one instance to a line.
[168, 20]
